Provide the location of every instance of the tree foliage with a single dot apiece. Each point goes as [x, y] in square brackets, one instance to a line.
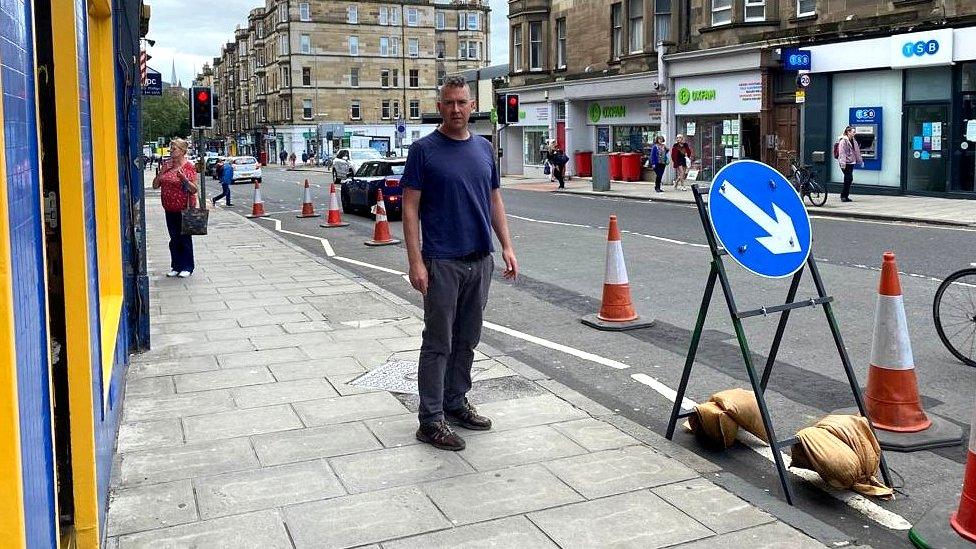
[166, 116]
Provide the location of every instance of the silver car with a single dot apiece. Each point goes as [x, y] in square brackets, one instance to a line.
[347, 162]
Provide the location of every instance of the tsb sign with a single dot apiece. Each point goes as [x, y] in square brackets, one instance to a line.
[921, 49]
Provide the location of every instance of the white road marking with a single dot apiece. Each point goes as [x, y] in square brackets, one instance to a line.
[556, 346]
[855, 501]
[549, 222]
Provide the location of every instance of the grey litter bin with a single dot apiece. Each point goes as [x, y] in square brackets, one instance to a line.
[601, 172]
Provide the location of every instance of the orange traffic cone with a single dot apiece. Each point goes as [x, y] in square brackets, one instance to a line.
[335, 215]
[963, 520]
[891, 398]
[381, 230]
[257, 206]
[308, 210]
[617, 309]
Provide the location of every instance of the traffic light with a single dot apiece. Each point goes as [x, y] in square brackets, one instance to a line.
[500, 108]
[511, 108]
[201, 107]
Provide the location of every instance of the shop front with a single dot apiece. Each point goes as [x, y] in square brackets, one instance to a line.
[534, 124]
[910, 98]
[718, 115]
[624, 125]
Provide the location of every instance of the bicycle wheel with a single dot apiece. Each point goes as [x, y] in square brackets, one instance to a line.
[816, 193]
[954, 312]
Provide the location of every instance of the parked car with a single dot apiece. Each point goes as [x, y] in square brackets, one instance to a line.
[347, 162]
[359, 191]
[246, 168]
[211, 165]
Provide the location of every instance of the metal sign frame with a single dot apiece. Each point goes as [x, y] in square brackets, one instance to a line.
[759, 383]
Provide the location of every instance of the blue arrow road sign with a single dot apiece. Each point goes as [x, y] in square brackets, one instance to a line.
[759, 218]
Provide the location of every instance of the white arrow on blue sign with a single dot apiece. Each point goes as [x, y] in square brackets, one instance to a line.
[759, 218]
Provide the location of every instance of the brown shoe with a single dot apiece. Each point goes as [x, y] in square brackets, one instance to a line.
[466, 416]
[440, 435]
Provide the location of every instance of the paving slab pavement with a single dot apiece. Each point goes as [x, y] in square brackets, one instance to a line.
[244, 430]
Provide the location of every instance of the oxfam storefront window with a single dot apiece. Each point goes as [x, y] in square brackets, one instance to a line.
[624, 125]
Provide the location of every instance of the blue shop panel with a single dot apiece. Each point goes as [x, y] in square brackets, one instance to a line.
[868, 124]
[28, 272]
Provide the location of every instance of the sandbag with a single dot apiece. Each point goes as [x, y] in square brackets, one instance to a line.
[842, 449]
[717, 421]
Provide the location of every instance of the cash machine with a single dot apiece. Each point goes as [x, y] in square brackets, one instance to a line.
[868, 122]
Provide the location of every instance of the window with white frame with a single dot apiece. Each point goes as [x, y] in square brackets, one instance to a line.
[353, 45]
[304, 13]
[306, 76]
[385, 110]
[473, 20]
[384, 12]
[662, 21]
[517, 47]
[395, 15]
[283, 12]
[354, 77]
[414, 78]
[396, 109]
[535, 46]
[561, 43]
[305, 41]
[474, 49]
[395, 78]
[441, 75]
[307, 109]
[283, 44]
[384, 46]
[616, 31]
[635, 16]
[414, 108]
[355, 110]
[721, 12]
[806, 7]
[413, 47]
[413, 18]
[385, 78]
[440, 49]
[440, 20]
[352, 15]
[462, 21]
[755, 10]
[286, 76]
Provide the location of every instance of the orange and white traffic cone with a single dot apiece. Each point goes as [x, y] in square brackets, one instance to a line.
[932, 530]
[381, 229]
[963, 520]
[891, 398]
[308, 209]
[334, 218]
[617, 309]
[257, 205]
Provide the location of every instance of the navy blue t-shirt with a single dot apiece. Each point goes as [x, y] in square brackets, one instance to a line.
[455, 178]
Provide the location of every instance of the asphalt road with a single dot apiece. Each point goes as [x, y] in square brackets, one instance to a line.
[560, 242]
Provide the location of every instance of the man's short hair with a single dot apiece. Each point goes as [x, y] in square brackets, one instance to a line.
[453, 82]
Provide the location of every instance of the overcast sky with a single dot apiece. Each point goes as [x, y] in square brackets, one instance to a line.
[191, 33]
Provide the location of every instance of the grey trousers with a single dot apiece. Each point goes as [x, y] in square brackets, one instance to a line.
[457, 292]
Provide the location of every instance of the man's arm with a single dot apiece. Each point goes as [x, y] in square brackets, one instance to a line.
[411, 234]
[500, 223]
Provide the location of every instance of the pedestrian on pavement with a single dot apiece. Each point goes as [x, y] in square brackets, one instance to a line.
[291, 160]
[681, 157]
[177, 181]
[452, 199]
[558, 160]
[283, 157]
[848, 153]
[226, 172]
[659, 161]
[304, 157]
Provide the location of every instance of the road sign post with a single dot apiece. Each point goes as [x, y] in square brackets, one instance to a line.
[755, 217]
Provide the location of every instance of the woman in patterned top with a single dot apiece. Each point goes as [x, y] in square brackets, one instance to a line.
[177, 179]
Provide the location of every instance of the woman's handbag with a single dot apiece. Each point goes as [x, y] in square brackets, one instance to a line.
[195, 221]
[546, 169]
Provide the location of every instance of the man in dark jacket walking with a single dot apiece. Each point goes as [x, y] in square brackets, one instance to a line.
[226, 171]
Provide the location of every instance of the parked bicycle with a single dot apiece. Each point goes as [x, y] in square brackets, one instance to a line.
[804, 180]
[954, 312]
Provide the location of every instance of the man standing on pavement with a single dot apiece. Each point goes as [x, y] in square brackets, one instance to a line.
[451, 197]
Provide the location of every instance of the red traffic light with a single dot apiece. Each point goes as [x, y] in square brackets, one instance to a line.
[202, 95]
[512, 100]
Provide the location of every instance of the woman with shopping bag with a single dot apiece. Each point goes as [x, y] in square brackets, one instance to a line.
[177, 181]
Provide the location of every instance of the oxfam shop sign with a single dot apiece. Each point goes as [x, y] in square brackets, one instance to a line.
[599, 112]
[686, 95]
